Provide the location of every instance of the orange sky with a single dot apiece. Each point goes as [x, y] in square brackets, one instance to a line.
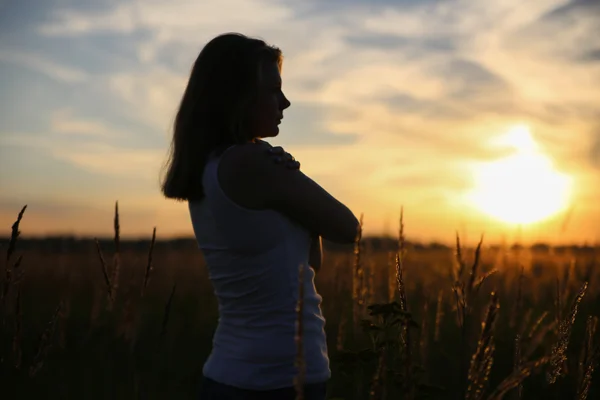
[396, 103]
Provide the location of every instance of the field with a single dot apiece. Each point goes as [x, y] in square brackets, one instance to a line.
[135, 320]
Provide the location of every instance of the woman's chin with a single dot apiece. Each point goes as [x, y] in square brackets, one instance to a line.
[273, 133]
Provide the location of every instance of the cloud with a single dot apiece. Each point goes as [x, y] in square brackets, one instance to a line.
[402, 96]
[591, 56]
[425, 179]
[105, 159]
[66, 22]
[303, 126]
[578, 23]
[571, 7]
[166, 20]
[467, 60]
[63, 122]
[385, 50]
[414, 46]
[467, 79]
[47, 67]
[90, 151]
[151, 96]
[595, 149]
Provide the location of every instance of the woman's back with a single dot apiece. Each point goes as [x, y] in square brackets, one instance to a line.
[253, 258]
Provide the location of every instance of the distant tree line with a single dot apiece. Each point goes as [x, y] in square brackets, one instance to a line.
[78, 244]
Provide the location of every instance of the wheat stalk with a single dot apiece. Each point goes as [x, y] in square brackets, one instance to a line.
[117, 256]
[167, 313]
[406, 334]
[463, 292]
[481, 363]
[474, 268]
[424, 334]
[14, 235]
[536, 339]
[378, 383]
[559, 350]
[537, 324]
[568, 274]
[45, 343]
[18, 334]
[588, 360]
[391, 277]
[357, 277]
[11, 280]
[8, 271]
[518, 302]
[149, 266]
[517, 377]
[517, 364]
[109, 286]
[525, 322]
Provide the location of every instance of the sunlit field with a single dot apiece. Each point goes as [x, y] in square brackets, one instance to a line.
[134, 320]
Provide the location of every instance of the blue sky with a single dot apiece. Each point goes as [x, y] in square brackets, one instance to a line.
[393, 102]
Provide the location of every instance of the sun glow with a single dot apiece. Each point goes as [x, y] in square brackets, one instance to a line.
[521, 188]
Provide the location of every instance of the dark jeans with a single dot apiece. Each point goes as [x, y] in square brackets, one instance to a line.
[211, 390]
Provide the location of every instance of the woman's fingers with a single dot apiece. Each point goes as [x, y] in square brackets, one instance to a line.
[293, 164]
[281, 156]
[276, 150]
[285, 157]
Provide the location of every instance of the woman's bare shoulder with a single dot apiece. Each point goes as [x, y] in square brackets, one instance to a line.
[244, 159]
[245, 174]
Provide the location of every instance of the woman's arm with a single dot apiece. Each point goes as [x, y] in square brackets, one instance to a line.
[253, 181]
[315, 257]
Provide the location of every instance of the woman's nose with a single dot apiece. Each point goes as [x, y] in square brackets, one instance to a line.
[285, 103]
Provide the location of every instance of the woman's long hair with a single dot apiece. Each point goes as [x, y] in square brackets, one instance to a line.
[216, 109]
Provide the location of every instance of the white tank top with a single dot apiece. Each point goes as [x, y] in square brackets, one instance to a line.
[253, 259]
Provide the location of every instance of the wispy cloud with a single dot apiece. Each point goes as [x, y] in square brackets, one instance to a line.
[168, 19]
[105, 159]
[47, 67]
[151, 96]
[68, 22]
[595, 152]
[94, 155]
[64, 122]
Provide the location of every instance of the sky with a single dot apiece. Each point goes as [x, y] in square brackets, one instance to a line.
[394, 103]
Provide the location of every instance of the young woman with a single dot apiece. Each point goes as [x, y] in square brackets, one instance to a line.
[257, 219]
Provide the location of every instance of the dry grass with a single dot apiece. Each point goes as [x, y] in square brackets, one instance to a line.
[140, 324]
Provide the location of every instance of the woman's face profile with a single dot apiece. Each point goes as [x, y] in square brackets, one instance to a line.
[270, 102]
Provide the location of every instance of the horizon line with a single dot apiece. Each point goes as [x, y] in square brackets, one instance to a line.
[425, 243]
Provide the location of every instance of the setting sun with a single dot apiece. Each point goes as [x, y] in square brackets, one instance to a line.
[521, 188]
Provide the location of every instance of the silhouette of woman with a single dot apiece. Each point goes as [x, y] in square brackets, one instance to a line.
[257, 219]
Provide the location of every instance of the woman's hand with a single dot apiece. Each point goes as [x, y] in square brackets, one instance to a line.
[280, 156]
